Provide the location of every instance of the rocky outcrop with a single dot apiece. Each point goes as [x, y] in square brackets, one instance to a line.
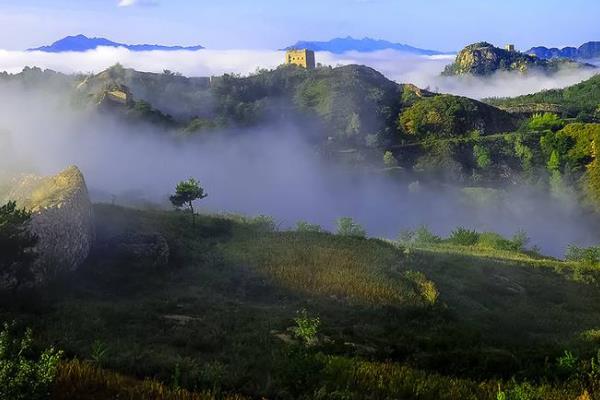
[484, 59]
[62, 218]
[529, 110]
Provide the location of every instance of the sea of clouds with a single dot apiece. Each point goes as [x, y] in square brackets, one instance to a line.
[270, 170]
[423, 71]
[267, 170]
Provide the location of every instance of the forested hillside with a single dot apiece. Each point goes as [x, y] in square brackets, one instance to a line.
[581, 100]
[354, 115]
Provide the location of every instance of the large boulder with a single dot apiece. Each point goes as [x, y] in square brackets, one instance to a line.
[62, 218]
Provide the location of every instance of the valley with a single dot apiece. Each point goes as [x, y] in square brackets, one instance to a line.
[304, 231]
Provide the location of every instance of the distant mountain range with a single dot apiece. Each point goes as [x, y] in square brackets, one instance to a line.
[83, 43]
[365, 45]
[587, 51]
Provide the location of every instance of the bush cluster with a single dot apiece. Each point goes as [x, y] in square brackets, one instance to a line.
[24, 373]
[462, 236]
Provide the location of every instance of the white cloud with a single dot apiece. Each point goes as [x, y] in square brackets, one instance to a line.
[190, 63]
[401, 67]
[129, 3]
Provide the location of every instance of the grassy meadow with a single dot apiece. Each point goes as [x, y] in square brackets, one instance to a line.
[393, 321]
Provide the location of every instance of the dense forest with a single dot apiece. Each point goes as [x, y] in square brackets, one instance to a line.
[580, 101]
[354, 115]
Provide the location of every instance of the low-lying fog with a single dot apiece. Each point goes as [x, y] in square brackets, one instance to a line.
[263, 171]
[422, 71]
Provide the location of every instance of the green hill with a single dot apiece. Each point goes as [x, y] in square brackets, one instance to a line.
[451, 116]
[171, 93]
[582, 100]
[349, 105]
[354, 116]
[426, 319]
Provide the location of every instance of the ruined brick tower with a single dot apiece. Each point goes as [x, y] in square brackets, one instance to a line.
[303, 58]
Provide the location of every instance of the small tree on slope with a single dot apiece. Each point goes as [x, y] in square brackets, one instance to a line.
[186, 193]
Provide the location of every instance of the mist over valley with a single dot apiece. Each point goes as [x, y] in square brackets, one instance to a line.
[186, 219]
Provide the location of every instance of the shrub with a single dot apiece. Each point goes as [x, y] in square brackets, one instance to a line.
[306, 327]
[494, 240]
[482, 156]
[544, 122]
[303, 226]
[99, 352]
[25, 375]
[588, 255]
[464, 237]
[347, 227]
[501, 395]
[16, 242]
[520, 240]
[424, 287]
[567, 363]
[422, 235]
[522, 391]
[264, 223]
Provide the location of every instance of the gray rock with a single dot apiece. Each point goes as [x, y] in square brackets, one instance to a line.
[62, 218]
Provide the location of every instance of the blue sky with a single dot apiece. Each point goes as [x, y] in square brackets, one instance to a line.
[263, 24]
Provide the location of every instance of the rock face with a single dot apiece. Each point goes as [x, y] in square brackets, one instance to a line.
[62, 218]
[484, 59]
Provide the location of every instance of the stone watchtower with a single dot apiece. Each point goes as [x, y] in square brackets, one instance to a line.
[510, 47]
[303, 58]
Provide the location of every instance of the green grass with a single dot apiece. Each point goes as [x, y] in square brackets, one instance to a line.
[84, 381]
[349, 269]
[219, 317]
[531, 298]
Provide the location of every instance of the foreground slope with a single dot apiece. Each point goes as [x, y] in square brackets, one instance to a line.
[426, 322]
